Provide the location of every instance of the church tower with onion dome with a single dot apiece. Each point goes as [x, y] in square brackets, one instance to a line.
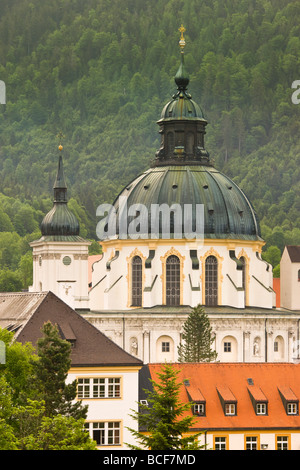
[60, 256]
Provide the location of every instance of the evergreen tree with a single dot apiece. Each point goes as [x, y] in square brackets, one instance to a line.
[197, 338]
[162, 419]
[50, 374]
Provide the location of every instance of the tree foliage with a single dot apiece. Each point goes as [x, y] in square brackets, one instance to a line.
[101, 75]
[29, 418]
[164, 422]
[197, 338]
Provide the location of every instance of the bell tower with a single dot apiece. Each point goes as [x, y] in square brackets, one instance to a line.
[60, 256]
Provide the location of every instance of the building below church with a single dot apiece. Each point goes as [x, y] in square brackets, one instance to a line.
[180, 234]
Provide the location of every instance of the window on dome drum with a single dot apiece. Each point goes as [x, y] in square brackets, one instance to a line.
[171, 143]
[137, 282]
[211, 281]
[105, 433]
[227, 347]
[165, 346]
[173, 281]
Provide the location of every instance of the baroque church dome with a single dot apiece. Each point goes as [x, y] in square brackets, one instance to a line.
[182, 173]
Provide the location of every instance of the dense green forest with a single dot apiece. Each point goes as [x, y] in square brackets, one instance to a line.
[100, 71]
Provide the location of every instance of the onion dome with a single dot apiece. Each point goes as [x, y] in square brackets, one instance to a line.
[60, 221]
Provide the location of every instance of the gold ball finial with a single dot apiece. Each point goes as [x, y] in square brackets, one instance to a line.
[182, 40]
[60, 147]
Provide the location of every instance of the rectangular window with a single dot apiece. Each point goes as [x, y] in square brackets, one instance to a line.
[199, 409]
[230, 409]
[251, 443]
[282, 442]
[261, 408]
[227, 347]
[220, 443]
[103, 387]
[105, 433]
[165, 346]
[292, 408]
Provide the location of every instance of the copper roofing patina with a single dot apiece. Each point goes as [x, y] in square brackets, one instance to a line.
[182, 173]
[60, 221]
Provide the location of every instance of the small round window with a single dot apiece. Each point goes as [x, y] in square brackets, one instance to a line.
[67, 260]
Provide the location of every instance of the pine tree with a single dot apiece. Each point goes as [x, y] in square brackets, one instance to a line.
[197, 338]
[50, 374]
[162, 418]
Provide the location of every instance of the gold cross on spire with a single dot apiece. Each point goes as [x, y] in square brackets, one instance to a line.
[182, 40]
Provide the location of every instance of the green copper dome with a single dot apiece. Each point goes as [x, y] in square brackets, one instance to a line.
[228, 214]
[60, 221]
[183, 175]
[182, 106]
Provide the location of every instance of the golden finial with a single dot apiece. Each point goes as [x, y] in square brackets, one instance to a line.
[60, 137]
[182, 40]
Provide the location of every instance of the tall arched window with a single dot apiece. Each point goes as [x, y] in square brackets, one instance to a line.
[171, 143]
[173, 280]
[211, 281]
[137, 282]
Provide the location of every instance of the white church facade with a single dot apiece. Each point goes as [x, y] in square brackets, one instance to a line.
[143, 286]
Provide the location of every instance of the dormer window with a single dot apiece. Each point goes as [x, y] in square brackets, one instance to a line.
[289, 400]
[230, 409]
[261, 408]
[292, 408]
[228, 400]
[258, 399]
[197, 399]
[199, 409]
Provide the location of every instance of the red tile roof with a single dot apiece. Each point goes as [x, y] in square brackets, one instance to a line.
[232, 381]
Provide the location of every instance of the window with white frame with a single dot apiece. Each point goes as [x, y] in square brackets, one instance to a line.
[251, 443]
[261, 408]
[199, 409]
[165, 346]
[105, 433]
[227, 346]
[99, 387]
[282, 442]
[292, 408]
[220, 443]
[230, 409]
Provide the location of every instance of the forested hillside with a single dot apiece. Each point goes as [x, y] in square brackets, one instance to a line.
[100, 71]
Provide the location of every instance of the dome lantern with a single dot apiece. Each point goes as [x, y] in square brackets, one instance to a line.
[182, 124]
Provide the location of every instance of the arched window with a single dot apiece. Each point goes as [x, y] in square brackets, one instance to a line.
[171, 143]
[211, 281]
[137, 282]
[173, 280]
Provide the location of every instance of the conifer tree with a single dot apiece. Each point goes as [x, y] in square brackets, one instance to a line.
[50, 374]
[197, 338]
[162, 418]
